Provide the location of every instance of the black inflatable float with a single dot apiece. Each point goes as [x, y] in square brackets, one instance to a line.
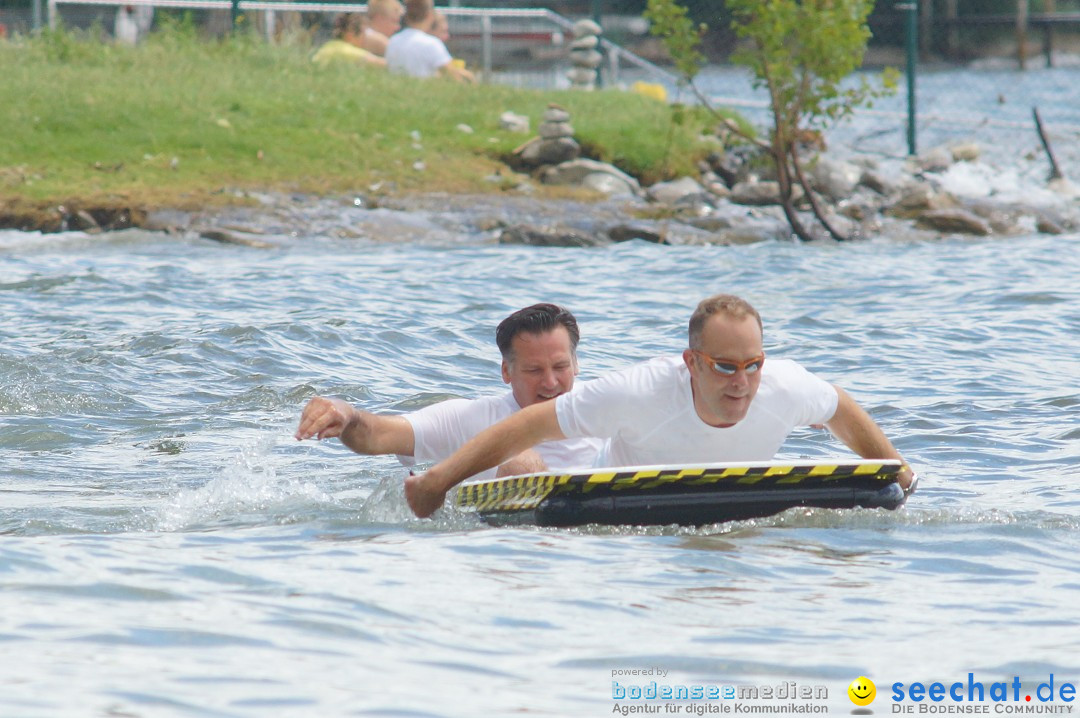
[687, 495]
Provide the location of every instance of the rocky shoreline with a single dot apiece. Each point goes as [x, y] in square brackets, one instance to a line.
[733, 200]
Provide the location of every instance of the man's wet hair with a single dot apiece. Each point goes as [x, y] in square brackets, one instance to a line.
[729, 304]
[537, 319]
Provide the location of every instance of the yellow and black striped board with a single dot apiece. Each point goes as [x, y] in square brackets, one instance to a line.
[687, 495]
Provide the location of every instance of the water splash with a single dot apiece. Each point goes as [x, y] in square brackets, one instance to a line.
[248, 491]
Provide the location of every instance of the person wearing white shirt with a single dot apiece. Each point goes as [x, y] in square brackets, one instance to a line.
[416, 52]
[539, 361]
[719, 401]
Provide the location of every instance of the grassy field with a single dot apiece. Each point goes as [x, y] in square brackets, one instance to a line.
[178, 119]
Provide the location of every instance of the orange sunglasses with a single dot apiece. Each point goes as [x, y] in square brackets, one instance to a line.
[727, 367]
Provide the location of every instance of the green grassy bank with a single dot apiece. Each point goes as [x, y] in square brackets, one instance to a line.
[178, 119]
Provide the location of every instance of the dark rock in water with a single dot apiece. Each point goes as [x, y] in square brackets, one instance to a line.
[920, 198]
[709, 224]
[113, 218]
[626, 232]
[549, 237]
[761, 193]
[1001, 218]
[83, 221]
[876, 181]
[1047, 225]
[225, 237]
[954, 220]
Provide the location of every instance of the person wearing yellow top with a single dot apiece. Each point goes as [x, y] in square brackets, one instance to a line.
[345, 45]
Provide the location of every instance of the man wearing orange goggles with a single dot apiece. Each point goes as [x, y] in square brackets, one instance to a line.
[720, 401]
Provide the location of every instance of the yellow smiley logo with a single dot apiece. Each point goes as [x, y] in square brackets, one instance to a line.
[862, 691]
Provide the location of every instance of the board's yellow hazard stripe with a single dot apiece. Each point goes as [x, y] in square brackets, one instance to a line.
[527, 492]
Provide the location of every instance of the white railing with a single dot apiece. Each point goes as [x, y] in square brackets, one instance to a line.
[617, 57]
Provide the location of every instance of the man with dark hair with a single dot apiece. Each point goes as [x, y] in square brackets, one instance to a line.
[720, 401]
[526, 329]
[539, 362]
[415, 51]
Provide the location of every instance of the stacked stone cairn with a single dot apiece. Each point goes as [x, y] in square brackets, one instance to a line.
[557, 143]
[584, 55]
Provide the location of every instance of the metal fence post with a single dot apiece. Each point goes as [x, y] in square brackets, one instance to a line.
[35, 18]
[912, 9]
[485, 25]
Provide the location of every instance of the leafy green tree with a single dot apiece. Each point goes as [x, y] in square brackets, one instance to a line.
[800, 52]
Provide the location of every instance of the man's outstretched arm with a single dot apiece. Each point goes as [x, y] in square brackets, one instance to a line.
[853, 426]
[361, 431]
[491, 447]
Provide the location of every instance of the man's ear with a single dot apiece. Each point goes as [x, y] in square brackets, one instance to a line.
[505, 372]
[688, 358]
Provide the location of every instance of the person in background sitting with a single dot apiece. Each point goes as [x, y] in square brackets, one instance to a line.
[383, 20]
[415, 51]
[440, 28]
[345, 45]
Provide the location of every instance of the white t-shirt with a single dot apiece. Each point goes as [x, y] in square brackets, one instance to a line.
[414, 52]
[648, 413]
[440, 429]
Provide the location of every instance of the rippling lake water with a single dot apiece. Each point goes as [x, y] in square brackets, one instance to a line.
[169, 550]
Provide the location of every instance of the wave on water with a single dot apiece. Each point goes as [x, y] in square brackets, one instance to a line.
[249, 492]
[857, 519]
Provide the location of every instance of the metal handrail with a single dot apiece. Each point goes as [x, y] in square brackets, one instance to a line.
[616, 53]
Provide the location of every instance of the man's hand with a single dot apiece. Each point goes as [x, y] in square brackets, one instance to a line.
[424, 494]
[325, 418]
[906, 478]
